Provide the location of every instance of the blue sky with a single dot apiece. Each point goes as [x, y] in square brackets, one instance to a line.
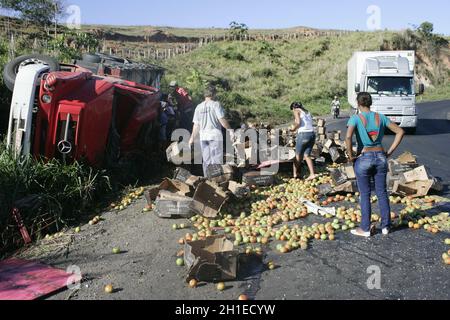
[339, 14]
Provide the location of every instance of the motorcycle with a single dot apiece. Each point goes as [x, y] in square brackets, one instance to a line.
[336, 112]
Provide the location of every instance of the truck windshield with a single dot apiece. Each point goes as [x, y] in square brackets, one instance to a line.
[390, 85]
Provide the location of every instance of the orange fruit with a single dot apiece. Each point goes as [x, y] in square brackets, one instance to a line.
[193, 284]
[243, 297]
[109, 289]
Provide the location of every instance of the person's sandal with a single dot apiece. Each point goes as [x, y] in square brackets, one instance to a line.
[360, 233]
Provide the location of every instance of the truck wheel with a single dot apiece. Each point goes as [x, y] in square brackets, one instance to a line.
[12, 68]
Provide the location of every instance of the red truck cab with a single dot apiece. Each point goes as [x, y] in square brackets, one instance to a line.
[80, 115]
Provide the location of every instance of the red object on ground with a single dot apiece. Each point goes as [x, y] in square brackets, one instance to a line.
[29, 280]
[23, 230]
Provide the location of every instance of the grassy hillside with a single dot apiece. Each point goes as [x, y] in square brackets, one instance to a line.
[260, 79]
[186, 32]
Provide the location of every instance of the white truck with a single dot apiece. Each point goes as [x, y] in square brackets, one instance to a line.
[389, 77]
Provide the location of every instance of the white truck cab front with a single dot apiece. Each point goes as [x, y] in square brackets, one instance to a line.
[21, 114]
[389, 77]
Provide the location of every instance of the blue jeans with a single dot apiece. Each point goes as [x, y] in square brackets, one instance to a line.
[373, 166]
[305, 143]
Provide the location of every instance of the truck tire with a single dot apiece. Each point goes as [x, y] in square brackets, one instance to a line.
[12, 68]
[91, 58]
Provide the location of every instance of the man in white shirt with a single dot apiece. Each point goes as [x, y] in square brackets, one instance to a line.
[335, 107]
[209, 119]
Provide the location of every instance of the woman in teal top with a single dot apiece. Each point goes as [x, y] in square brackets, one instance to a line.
[369, 123]
[371, 162]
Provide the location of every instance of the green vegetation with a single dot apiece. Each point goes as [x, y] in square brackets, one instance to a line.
[438, 93]
[68, 46]
[185, 32]
[59, 195]
[238, 29]
[260, 79]
[38, 12]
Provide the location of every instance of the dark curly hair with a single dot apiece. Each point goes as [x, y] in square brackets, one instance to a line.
[364, 99]
[298, 105]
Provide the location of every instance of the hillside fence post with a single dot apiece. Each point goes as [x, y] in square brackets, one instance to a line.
[12, 48]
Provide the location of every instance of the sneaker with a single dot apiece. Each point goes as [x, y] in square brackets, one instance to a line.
[386, 231]
[360, 233]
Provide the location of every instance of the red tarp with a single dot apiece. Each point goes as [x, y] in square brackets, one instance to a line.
[28, 280]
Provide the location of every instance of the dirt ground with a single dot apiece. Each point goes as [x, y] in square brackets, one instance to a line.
[410, 263]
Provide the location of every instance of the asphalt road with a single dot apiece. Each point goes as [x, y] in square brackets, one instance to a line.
[409, 262]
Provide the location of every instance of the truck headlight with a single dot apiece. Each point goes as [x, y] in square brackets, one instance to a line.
[46, 98]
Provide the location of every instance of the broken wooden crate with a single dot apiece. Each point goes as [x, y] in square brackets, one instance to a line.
[407, 178]
[171, 205]
[211, 260]
[221, 173]
[258, 178]
[187, 177]
[173, 186]
[208, 199]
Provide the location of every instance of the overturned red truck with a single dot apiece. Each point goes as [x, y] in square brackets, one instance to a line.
[97, 109]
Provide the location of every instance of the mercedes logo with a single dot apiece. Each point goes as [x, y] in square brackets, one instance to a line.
[65, 147]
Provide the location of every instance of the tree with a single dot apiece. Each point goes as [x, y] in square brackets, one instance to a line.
[426, 29]
[40, 12]
[238, 29]
[69, 45]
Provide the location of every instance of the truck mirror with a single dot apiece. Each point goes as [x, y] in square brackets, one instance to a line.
[357, 88]
[421, 89]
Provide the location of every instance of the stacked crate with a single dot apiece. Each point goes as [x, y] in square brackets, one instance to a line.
[321, 131]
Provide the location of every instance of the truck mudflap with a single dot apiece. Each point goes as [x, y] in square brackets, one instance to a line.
[21, 114]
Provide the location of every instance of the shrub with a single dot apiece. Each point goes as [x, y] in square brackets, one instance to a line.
[324, 46]
[61, 193]
[232, 54]
[264, 73]
[233, 99]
